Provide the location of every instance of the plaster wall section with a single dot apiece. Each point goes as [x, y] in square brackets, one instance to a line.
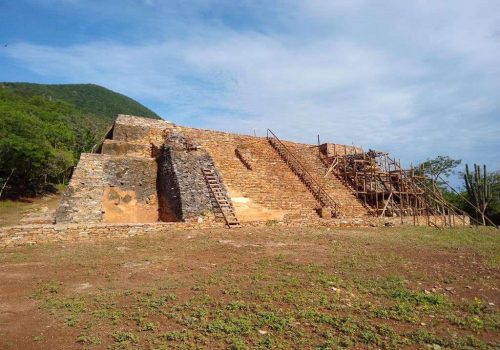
[106, 188]
[130, 193]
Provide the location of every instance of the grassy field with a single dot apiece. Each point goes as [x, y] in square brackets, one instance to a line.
[265, 288]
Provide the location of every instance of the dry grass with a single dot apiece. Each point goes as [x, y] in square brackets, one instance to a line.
[266, 288]
[11, 212]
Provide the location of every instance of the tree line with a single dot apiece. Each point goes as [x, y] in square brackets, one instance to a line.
[40, 141]
[44, 128]
[479, 195]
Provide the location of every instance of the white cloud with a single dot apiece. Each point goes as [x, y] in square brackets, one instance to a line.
[416, 79]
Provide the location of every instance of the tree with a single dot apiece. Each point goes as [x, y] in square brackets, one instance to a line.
[493, 210]
[478, 188]
[434, 170]
[439, 166]
[45, 128]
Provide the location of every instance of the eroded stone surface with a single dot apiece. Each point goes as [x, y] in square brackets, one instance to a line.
[108, 188]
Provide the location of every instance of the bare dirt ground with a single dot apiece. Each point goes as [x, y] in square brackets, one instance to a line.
[259, 288]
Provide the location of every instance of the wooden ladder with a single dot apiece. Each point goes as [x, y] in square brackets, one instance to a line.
[223, 201]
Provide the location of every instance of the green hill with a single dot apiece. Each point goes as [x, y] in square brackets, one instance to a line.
[88, 98]
[44, 128]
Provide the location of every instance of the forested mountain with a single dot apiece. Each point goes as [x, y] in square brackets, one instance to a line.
[44, 128]
[87, 98]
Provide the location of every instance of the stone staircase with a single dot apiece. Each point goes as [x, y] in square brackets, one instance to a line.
[269, 185]
[328, 204]
[349, 204]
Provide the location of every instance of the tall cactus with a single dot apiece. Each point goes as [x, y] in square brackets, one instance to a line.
[478, 188]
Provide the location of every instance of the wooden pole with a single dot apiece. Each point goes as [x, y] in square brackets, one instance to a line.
[319, 152]
[385, 206]
[376, 189]
[5, 183]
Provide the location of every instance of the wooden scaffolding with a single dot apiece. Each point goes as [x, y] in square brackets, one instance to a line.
[387, 189]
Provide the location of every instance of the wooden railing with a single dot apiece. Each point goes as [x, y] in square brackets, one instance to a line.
[296, 166]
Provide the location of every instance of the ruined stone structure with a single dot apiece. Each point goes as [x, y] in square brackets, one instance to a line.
[153, 171]
[152, 176]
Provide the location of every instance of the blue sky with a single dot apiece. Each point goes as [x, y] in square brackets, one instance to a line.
[417, 79]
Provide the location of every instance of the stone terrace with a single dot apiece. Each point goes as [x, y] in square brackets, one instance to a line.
[121, 185]
[147, 173]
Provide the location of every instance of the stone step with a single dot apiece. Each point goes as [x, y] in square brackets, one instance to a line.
[270, 183]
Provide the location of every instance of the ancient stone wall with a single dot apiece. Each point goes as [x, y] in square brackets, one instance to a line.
[182, 185]
[108, 188]
[135, 181]
[169, 195]
[119, 185]
[140, 130]
[120, 148]
[82, 201]
[194, 193]
[267, 190]
[261, 184]
[33, 234]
